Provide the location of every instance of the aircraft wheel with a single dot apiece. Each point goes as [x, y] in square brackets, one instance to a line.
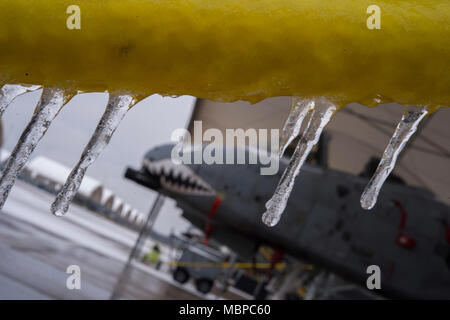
[203, 285]
[181, 275]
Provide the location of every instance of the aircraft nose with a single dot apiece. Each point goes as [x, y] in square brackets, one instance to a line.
[159, 153]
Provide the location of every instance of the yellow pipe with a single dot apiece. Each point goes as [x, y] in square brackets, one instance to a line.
[232, 49]
[238, 265]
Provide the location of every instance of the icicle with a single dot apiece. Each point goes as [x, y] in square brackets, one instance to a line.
[291, 129]
[405, 129]
[52, 100]
[10, 91]
[115, 111]
[322, 112]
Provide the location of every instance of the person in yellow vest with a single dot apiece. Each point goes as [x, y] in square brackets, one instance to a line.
[152, 257]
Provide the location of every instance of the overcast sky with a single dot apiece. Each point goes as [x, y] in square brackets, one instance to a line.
[147, 125]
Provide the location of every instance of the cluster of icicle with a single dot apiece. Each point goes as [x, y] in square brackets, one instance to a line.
[51, 102]
[316, 113]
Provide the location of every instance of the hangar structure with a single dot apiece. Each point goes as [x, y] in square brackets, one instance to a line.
[356, 135]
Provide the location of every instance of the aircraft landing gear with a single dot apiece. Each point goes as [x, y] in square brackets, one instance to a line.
[203, 285]
[181, 275]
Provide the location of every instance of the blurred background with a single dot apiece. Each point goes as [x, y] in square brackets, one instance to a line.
[129, 249]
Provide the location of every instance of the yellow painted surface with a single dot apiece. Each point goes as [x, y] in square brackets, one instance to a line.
[226, 50]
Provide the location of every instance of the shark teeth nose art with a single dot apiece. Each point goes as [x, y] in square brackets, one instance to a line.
[178, 178]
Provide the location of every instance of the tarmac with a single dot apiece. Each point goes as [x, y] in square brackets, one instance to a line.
[36, 248]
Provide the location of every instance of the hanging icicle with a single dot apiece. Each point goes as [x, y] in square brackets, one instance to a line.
[404, 131]
[293, 124]
[321, 114]
[11, 91]
[51, 102]
[115, 111]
